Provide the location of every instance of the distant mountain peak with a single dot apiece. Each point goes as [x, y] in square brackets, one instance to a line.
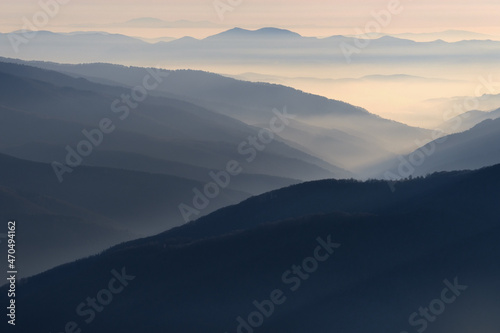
[267, 32]
[235, 30]
[183, 40]
[392, 39]
[271, 30]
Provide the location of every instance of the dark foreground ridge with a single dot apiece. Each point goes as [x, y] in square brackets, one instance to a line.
[324, 256]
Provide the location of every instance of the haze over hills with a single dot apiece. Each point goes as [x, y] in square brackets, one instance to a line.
[449, 36]
[152, 162]
[450, 110]
[325, 132]
[331, 130]
[222, 47]
[340, 140]
[467, 120]
[149, 131]
[73, 209]
[228, 276]
[45, 219]
[163, 134]
[162, 142]
[157, 133]
[245, 167]
[409, 94]
[468, 150]
[286, 54]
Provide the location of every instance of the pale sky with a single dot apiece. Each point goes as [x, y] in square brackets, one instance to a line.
[311, 17]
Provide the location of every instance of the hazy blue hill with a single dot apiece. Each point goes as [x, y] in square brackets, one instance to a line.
[472, 149]
[55, 78]
[92, 209]
[87, 46]
[248, 183]
[343, 140]
[198, 85]
[389, 41]
[402, 250]
[468, 120]
[242, 47]
[135, 201]
[54, 232]
[131, 185]
[160, 127]
[261, 34]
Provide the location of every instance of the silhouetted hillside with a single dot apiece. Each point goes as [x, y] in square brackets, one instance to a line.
[91, 210]
[467, 120]
[386, 259]
[469, 150]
